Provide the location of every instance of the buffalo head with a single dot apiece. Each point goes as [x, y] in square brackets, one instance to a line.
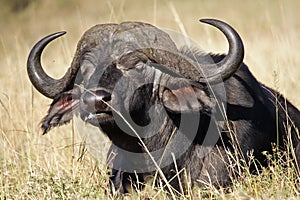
[131, 55]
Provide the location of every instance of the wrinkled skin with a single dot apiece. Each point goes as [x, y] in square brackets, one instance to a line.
[155, 99]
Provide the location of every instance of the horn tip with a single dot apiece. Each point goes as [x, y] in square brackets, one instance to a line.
[209, 20]
[60, 33]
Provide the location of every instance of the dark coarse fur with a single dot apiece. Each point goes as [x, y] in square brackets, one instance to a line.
[256, 116]
[251, 113]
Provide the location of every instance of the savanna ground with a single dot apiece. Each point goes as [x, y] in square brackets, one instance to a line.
[57, 165]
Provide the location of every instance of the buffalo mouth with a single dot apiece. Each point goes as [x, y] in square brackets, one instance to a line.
[102, 118]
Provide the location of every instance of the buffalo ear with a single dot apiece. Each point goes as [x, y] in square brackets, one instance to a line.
[61, 110]
[187, 99]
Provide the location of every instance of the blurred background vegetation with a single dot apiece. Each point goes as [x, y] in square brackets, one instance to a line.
[35, 166]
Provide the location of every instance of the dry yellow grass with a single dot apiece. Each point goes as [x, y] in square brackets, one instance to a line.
[34, 166]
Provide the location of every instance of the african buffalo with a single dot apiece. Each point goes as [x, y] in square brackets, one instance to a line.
[180, 111]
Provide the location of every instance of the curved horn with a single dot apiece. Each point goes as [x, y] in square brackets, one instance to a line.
[41, 81]
[234, 59]
[189, 69]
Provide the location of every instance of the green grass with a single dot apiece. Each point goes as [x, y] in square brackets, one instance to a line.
[57, 165]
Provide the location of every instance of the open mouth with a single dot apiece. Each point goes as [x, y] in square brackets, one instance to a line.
[97, 118]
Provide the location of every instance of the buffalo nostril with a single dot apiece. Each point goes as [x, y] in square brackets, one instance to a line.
[103, 95]
[94, 100]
